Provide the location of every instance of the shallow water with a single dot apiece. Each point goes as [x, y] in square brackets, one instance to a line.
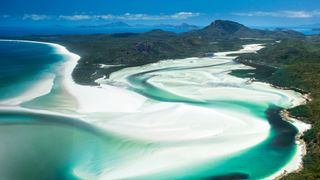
[197, 122]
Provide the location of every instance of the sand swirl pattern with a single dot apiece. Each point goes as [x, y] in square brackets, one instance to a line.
[185, 118]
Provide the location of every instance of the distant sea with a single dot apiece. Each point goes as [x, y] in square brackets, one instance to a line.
[60, 30]
[304, 30]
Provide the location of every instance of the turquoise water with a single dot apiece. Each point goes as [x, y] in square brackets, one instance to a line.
[258, 162]
[42, 146]
[46, 146]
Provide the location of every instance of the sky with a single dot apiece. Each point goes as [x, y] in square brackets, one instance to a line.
[199, 12]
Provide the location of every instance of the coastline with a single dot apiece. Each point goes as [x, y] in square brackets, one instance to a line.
[98, 95]
[87, 105]
[301, 145]
[296, 163]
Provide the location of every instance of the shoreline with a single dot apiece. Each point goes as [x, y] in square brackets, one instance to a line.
[295, 165]
[85, 103]
[302, 127]
[98, 94]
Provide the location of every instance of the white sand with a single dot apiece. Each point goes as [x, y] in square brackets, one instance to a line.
[39, 111]
[203, 134]
[40, 88]
[104, 98]
[108, 66]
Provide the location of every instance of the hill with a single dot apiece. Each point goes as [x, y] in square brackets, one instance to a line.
[230, 29]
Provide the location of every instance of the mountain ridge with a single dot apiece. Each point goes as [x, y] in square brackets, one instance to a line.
[231, 29]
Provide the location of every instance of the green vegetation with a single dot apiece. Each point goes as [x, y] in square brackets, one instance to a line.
[261, 72]
[301, 111]
[299, 68]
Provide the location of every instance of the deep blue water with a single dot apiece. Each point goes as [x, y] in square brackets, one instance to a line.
[22, 64]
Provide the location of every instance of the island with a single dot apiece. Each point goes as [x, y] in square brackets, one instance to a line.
[285, 59]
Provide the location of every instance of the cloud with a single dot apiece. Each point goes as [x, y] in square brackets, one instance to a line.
[5, 16]
[35, 17]
[184, 15]
[285, 14]
[126, 16]
[130, 16]
[75, 17]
